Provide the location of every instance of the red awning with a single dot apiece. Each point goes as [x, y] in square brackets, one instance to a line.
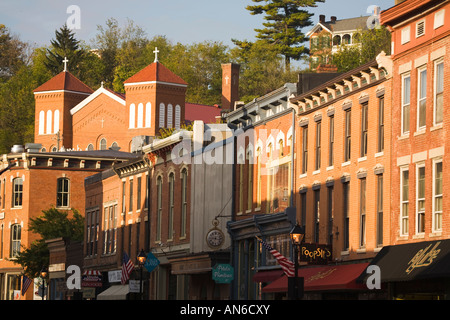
[332, 277]
[267, 276]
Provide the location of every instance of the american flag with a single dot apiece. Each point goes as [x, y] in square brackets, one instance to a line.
[25, 284]
[286, 264]
[127, 267]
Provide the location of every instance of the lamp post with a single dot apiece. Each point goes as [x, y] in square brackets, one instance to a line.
[44, 273]
[141, 258]
[296, 288]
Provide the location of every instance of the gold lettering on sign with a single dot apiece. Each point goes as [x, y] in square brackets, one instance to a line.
[423, 257]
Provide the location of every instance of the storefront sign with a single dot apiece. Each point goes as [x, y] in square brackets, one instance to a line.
[151, 262]
[91, 278]
[315, 253]
[223, 273]
[423, 257]
[134, 286]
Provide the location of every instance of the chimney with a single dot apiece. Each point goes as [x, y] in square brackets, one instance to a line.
[398, 1]
[230, 85]
[322, 18]
[333, 19]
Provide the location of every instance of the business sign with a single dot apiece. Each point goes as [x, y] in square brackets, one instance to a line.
[315, 253]
[223, 273]
[91, 278]
[134, 286]
[151, 263]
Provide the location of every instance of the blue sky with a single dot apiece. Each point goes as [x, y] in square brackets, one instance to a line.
[182, 21]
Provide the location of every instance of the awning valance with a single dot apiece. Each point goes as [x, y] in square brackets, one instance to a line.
[117, 292]
[267, 275]
[413, 261]
[325, 278]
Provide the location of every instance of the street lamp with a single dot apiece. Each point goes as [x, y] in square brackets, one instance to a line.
[44, 273]
[295, 289]
[141, 258]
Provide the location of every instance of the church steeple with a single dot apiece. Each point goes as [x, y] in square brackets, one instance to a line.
[155, 98]
[54, 99]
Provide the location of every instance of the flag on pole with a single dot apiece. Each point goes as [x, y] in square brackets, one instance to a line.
[286, 264]
[25, 284]
[127, 267]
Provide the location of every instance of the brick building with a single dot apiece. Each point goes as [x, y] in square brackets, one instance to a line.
[420, 44]
[33, 181]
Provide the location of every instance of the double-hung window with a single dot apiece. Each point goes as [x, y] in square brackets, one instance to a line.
[406, 97]
[420, 198]
[437, 195]
[438, 92]
[421, 98]
[62, 193]
[404, 201]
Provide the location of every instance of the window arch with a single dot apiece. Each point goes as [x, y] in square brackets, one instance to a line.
[16, 237]
[171, 204]
[103, 144]
[159, 207]
[177, 116]
[140, 117]
[49, 122]
[62, 192]
[162, 109]
[183, 202]
[90, 147]
[41, 122]
[148, 114]
[132, 119]
[169, 115]
[56, 122]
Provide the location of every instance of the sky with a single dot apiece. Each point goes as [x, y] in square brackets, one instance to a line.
[35, 21]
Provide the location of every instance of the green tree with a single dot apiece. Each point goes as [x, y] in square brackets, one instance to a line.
[12, 54]
[283, 27]
[261, 69]
[366, 46]
[64, 46]
[52, 224]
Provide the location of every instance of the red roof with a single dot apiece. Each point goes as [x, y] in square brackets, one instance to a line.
[155, 72]
[64, 81]
[202, 112]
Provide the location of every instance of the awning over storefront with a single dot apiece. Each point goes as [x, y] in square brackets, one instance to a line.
[413, 261]
[267, 275]
[331, 277]
[117, 292]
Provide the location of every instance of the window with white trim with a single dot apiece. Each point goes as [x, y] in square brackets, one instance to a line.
[438, 91]
[420, 198]
[16, 237]
[132, 119]
[148, 114]
[140, 116]
[437, 195]
[404, 201]
[421, 98]
[17, 192]
[169, 115]
[406, 97]
[162, 109]
[62, 193]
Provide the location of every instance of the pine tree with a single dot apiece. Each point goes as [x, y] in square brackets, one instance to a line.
[285, 19]
[64, 46]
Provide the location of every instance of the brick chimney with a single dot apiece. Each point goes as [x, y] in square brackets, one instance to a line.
[230, 85]
[322, 18]
[333, 19]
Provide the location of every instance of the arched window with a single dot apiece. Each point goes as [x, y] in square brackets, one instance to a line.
[49, 122]
[159, 207]
[148, 114]
[171, 204]
[90, 147]
[17, 192]
[177, 116]
[62, 192]
[103, 144]
[169, 116]
[56, 122]
[140, 119]
[16, 237]
[41, 122]
[162, 115]
[183, 202]
[132, 115]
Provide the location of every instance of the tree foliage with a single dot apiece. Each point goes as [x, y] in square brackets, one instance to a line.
[283, 27]
[367, 45]
[52, 224]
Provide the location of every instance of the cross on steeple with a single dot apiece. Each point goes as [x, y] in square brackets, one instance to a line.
[65, 63]
[156, 54]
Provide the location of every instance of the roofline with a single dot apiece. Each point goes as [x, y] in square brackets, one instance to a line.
[154, 82]
[68, 91]
[391, 15]
[94, 95]
[314, 28]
